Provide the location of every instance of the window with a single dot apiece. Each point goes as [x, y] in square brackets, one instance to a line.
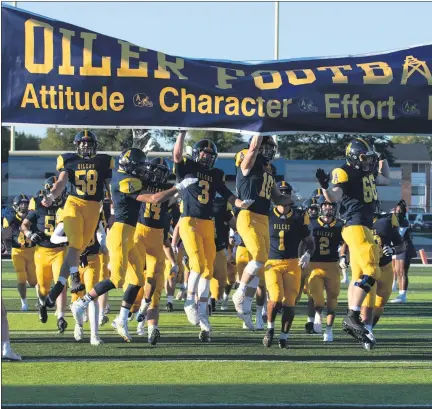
[427, 217]
[419, 168]
[418, 190]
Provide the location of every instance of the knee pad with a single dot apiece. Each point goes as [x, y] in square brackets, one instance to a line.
[253, 267]
[366, 283]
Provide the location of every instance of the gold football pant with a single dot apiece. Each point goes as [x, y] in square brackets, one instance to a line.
[80, 218]
[104, 261]
[220, 275]
[199, 242]
[123, 251]
[282, 278]
[24, 264]
[89, 275]
[48, 263]
[254, 231]
[242, 258]
[383, 287]
[324, 276]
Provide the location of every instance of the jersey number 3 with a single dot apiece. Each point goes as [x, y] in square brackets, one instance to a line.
[204, 196]
[86, 181]
[369, 189]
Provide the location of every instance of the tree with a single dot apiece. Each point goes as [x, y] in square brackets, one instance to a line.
[223, 140]
[23, 141]
[427, 140]
[326, 146]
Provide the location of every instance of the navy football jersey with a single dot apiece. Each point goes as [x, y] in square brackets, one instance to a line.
[13, 220]
[153, 215]
[44, 220]
[286, 233]
[257, 185]
[328, 238]
[125, 189]
[222, 216]
[198, 198]
[359, 197]
[86, 176]
[386, 233]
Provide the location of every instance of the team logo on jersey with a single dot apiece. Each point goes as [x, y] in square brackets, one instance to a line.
[142, 100]
[410, 108]
[307, 105]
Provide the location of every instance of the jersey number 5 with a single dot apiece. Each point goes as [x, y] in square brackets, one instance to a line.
[369, 189]
[205, 195]
[86, 181]
[267, 185]
[49, 225]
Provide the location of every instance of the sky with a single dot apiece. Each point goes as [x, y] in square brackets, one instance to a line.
[245, 30]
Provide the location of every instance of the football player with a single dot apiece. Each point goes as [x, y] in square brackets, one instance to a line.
[255, 181]
[197, 226]
[386, 234]
[327, 234]
[402, 261]
[129, 190]
[149, 239]
[354, 184]
[6, 349]
[88, 172]
[38, 226]
[223, 220]
[23, 250]
[289, 228]
[312, 207]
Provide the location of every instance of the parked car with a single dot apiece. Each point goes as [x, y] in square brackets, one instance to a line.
[423, 222]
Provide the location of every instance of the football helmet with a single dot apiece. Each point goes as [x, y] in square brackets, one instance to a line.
[285, 188]
[133, 161]
[267, 149]
[312, 207]
[327, 211]
[210, 153]
[21, 203]
[316, 193]
[86, 143]
[48, 185]
[360, 155]
[159, 170]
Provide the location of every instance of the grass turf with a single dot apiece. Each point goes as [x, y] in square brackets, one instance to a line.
[239, 369]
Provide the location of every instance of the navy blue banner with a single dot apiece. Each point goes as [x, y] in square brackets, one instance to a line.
[54, 73]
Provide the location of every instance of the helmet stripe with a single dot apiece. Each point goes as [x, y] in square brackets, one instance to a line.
[367, 145]
[85, 133]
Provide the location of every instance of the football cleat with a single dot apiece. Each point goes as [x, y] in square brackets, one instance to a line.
[169, 307]
[122, 329]
[309, 328]
[43, 314]
[107, 309]
[130, 316]
[353, 326]
[24, 307]
[328, 335]
[141, 331]
[247, 320]
[191, 311]
[204, 336]
[78, 333]
[259, 324]
[283, 343]
[95, 340]
[238, 300]
[78, 312]
[154, 336]
[49, 302]
[224, 305]
[369, 342]
[268, 338]
[317, 328]
[10, 355]
[61, 325]
[400, 299]
[103, 320]
[76, 285]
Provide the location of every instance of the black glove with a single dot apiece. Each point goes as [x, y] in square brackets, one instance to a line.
[35, 238]
[388, 251]
[381, 156]
[323, 178]
[83, 260]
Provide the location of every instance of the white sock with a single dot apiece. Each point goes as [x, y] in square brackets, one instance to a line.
[225, 296]
[344, 274]
[6, 347]
[192, 285]
[60, 314]
[93, 313]
[203, 292]
[124, 313]
[144, 305]
[259, 310]
[310, 319]
[170, 298]
[355, 308]
[270, 325]
[318, 318]
[254, 283]
[402, 292]
[283, 335]
[73, 270]
[23, 301]
[369, 328]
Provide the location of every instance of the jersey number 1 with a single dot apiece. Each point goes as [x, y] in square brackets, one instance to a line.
[86, 181]
[267, 185]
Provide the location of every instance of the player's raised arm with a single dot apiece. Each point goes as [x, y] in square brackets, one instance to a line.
[178, 147]
[58, 188]
[383, 177]
[334, 194]
[249, 159]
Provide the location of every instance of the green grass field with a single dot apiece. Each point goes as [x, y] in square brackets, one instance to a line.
[234, 368]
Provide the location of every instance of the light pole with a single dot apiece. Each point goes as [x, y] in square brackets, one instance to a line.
[12, 132]
[276, 42]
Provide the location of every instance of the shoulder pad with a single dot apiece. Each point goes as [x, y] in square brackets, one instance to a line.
[339, 176]
[130, 185]
[394, 220]
[240, 156]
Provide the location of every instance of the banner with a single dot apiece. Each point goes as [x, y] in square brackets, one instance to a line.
[54, 73]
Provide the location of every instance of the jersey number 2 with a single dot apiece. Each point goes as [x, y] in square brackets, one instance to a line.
[86, 181]
[324, 244]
